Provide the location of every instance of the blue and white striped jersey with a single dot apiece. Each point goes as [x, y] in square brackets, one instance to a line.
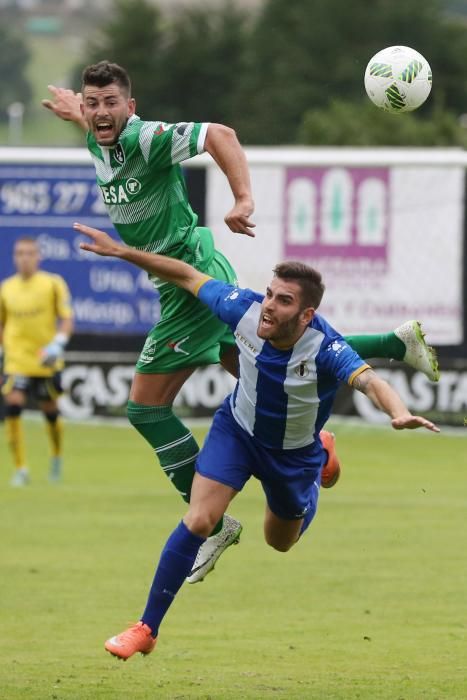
[282, 397]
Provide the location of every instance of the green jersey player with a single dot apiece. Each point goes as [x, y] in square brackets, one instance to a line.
[138, 172]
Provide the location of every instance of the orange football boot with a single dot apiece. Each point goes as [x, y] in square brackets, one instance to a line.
[136, 638]
[332, 469]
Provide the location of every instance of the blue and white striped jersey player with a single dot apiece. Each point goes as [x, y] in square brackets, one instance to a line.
[291, 364]
[159, 219]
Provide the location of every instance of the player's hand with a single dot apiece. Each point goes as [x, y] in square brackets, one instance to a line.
[51, 353]
[101, 243]
[65, 103]
[410, 422]
[238, 218]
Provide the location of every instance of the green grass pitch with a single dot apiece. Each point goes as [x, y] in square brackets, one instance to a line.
[370, 605]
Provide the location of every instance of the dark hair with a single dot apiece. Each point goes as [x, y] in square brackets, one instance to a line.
[105, 73]
[309, 280]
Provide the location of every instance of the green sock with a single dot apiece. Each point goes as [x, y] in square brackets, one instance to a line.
[172, 442]
[386, 345]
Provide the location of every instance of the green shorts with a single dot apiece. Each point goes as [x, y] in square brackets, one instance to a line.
[187, 334]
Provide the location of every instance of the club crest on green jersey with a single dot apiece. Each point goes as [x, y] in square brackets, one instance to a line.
[119, 154]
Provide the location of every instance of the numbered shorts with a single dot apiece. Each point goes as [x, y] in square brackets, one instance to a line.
[187, 334]
[38, 388]
[290, 478]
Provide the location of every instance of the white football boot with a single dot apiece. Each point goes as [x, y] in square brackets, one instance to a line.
[55, 471]
[418, 354]
[210, 551]
[20, 477]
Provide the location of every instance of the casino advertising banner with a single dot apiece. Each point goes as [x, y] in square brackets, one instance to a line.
[98, 385]
[44, 201]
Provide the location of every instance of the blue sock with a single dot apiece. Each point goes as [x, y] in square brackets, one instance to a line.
[175, 564]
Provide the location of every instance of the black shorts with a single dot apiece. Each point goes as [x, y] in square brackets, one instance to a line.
[38, 388]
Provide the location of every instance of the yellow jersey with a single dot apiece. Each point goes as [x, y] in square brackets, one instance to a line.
[29, 311]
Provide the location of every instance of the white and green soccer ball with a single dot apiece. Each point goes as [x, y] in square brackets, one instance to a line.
[398, 79]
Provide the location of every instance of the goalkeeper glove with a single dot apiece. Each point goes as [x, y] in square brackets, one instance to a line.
[54, 351]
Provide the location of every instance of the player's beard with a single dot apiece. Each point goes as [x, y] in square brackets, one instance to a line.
[284, 334]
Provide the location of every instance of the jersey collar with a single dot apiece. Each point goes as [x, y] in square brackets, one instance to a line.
[133, 118]
[108, 149]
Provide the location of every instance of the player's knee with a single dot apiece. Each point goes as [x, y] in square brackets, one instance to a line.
[134, 415]
[200, 522]
[131, 413]
[140, 415]
[13, 410]
[281, 546]
[277, 543]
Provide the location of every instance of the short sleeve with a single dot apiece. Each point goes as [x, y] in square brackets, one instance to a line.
[168, 144]
[62, 298]
[337, 359]
[227, 302]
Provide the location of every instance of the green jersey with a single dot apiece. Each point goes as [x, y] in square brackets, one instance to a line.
[144, 190]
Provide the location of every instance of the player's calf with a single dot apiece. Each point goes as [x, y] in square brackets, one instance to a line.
[15, 439]
[281, 534]
[172, 442]
[55, 433]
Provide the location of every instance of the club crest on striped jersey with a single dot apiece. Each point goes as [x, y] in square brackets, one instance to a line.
[119, 153]
[302, 370]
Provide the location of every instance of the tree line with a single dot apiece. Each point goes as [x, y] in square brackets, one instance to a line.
[289, 72]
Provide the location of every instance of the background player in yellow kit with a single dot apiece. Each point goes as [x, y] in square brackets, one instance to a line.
[36, 322]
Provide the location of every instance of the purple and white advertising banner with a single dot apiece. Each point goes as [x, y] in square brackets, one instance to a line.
[387, 240]
[99, 383]
[339, 216]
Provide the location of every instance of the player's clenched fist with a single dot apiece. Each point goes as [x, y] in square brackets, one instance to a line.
[238, 218]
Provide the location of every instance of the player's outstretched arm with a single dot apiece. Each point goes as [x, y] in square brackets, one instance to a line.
[167, 269]
[66, 104]
[222, 144]
[386, 399]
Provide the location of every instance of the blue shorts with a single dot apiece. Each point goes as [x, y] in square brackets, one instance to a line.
[290, 478]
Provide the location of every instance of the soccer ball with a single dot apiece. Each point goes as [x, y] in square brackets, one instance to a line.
[398, 79]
